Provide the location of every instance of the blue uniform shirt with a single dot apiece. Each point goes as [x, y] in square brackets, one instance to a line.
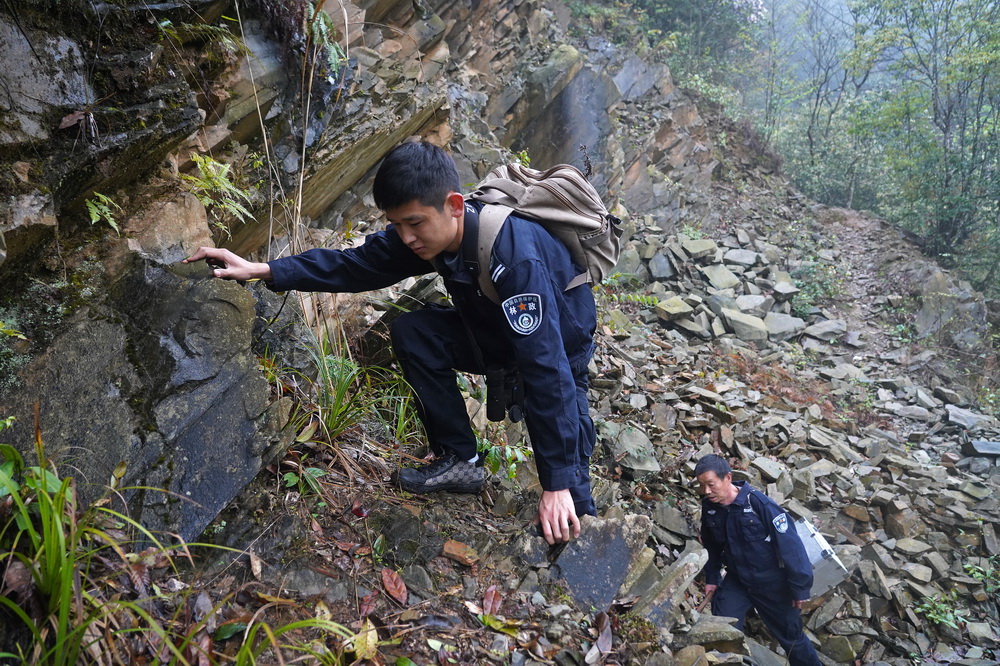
[543, 330]
[756, 540]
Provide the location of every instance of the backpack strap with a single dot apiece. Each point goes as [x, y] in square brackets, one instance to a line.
[491, 220]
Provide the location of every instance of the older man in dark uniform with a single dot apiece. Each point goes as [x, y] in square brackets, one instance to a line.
[766, 564]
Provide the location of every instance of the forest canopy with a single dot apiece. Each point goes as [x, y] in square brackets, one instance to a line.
[887, 105]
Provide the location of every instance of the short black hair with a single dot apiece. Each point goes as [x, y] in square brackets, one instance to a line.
[415, 171]
[712, 463]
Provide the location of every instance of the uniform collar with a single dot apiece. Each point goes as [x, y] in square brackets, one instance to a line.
[466, 260]
[743, 496]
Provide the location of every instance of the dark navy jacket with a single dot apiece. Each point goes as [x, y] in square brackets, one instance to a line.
[746, 537]
[526, 260]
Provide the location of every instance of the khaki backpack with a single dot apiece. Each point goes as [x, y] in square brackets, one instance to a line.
[563, 201]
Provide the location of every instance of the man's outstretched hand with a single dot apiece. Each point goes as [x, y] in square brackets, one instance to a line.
[557, 516]
[229, 266]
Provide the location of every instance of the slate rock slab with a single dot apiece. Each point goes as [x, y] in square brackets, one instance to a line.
[593, 567]
[159, 375]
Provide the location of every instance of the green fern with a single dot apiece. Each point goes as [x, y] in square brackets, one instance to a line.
[189, 32]
[215, 190]
[102, 209]
[643, 299]
[323, 34]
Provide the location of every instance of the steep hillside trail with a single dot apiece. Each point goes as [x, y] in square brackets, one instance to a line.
[865, 245]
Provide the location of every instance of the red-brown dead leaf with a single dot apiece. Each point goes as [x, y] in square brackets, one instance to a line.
[71, 119]
[138, 573]
[204, 650]
[368, 603]
[603, 624]
[394, 585]
[358, 510]
[460, 552]
[16, 579]
[492, 601]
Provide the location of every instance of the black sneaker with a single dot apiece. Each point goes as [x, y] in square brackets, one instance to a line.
[447, 473]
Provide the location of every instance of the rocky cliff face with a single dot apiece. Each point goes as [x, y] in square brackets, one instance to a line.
[116, 101]
[133, 358]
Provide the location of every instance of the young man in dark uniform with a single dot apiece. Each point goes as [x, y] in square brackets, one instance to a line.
[766, 564]
[544, 331]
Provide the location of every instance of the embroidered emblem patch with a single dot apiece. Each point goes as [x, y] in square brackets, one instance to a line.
[781, 523]
[524, 312]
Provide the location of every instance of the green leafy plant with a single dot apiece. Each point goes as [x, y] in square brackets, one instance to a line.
[306, 481]
[817, 282]
[323, 38]
[47, 550]
[348, 395]
[183, 33]
[63, 570]
[102, 208]
[943, 609]
[692, 232]
[501, 457]
[642, 299]
[213, 188]
[987, 573]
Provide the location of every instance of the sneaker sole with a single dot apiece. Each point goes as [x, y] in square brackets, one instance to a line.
[421, 489]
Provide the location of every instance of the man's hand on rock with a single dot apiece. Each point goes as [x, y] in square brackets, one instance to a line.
[229, 266]
[557, 515]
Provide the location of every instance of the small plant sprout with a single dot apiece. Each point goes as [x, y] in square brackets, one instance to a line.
[102, 208]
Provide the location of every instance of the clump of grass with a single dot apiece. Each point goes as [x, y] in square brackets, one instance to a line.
[69, 578]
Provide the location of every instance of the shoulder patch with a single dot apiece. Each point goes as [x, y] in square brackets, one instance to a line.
[781, 523]
[523, 312]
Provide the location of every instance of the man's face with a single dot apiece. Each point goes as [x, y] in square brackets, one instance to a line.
[429, 231]
[715, 489]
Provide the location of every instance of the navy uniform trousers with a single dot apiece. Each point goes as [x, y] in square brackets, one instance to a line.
[774, 605]
[431, 344]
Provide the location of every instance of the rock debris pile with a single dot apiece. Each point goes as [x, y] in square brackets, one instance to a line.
[900, 477]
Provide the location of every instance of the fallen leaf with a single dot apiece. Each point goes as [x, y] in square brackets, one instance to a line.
[204, 650]
[366, 641]
[460, 552]
[492, 600]
[394, 585]
[368, 603]
[504, 626]
[409, 615]
[72, 119]
[271, 599]
[138, 573]
[358, 510]
[602, 646]
[603, 623]
[256, 565]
